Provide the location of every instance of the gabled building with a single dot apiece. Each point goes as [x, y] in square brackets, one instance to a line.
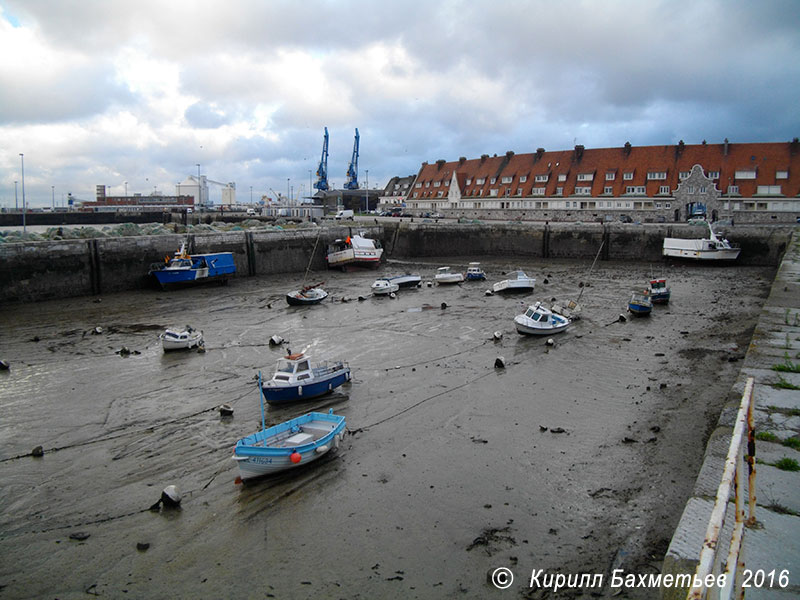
[749, 182]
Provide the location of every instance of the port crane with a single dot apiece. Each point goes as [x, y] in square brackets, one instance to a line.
[322, 170]
[352, 170]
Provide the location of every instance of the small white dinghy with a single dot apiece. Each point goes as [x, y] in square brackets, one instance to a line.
[173, 339]
[383, 287]
[539, 320]
[445, 276]
[517, 281]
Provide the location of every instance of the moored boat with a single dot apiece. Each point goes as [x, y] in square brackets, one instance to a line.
[640, 304]
[311, 294]
[407, 280]
[354, 251]
[659, 292]
[517, 281]
[184, 269]
[296, 378]
[181, 339]
[710, 248]
[474, 272]
[383, 287]
[445, 276]
[290, 444]
[540, 320]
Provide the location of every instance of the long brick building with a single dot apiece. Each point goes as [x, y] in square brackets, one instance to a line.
[758, 182]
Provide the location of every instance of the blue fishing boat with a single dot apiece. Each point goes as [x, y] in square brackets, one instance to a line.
[640, 304]
[290, 444]
[296, 378]
[659, 292]
[474, 272]
[185, 269]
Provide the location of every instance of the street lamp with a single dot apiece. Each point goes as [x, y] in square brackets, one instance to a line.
[22, 162]
[126, 189]
[16, 202]
[366, 208]
[52, 187]
[251, 194]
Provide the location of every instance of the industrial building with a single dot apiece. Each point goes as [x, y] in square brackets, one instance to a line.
[753, 182]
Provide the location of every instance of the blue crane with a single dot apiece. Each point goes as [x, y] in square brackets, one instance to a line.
[322, 170]
[352, 170]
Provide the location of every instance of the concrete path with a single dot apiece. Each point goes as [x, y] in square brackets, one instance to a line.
[772, 546]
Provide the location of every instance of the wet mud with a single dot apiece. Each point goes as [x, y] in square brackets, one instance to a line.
[574, 458]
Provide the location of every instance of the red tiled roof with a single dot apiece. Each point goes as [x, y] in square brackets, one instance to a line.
[766, 158]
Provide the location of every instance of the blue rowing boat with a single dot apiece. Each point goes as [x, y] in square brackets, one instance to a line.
[290, 444]
[640, 304]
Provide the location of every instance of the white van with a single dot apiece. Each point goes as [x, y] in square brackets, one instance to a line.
[251, 211]
[344, 214]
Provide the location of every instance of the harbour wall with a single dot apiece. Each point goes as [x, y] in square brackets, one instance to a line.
[32, 271]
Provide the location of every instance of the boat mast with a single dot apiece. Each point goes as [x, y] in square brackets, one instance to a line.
[261, 396]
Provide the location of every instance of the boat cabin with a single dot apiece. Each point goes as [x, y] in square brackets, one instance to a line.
[536, 313]
[293, 367]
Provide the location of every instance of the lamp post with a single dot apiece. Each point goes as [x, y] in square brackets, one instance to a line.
[16, 202]
[199, 193]
[366, 208]
[53, 188]
[22, 163]
[126, 189]
[251, 194]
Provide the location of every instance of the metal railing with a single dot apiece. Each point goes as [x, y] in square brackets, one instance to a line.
[712, 554]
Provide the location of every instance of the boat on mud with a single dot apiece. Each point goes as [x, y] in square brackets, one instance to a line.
[659, 292]
[540, 320]
[290, 444]
[354, 251]
[384, 287]
[310, 294]
[474, 272]
[407, 280]
[710, 248]
[517, 281]
[445, 276]
[184, 269]
[297, 378]
[181, 339]
[640, 304]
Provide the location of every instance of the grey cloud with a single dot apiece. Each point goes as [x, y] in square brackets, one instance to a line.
[206, 116]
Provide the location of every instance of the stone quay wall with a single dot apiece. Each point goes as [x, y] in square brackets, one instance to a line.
[32, 271]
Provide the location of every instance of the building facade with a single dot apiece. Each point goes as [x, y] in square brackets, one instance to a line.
[756, 182]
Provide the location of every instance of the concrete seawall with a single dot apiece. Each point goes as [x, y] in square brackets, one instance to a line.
[772, 544]
[44, 270]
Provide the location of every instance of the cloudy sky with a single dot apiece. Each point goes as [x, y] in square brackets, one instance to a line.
[105, 91]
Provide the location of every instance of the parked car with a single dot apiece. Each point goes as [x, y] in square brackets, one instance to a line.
[625, 219]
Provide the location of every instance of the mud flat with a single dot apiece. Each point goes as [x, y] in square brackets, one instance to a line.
[573, 459]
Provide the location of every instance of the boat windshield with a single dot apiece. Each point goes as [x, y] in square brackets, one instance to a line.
[284, 366]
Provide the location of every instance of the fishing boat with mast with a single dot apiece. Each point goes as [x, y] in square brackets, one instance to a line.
[308, 294]
[185, 269]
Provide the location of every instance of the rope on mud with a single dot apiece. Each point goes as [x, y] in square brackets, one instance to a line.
[408, 408]
[430, 360]
[107, 438]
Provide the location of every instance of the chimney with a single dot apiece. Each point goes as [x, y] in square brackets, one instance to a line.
[440, 163]
[627, 148]
[725, 148]
[462, 160]
[579, 151]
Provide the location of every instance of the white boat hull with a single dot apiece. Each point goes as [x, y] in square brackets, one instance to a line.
[191, 340]
[513, 286]
[528, 327]
[449, 279]
[695, 254]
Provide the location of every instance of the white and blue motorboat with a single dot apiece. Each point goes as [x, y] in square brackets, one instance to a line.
[290, 444]
[540, 320]
[517, 281]
[296, 378]
[640, 304]
[185, 269]
[474, 272]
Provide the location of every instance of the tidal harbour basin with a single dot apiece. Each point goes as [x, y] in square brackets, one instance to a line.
[576, 457]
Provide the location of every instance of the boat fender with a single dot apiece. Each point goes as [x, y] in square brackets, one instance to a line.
[330, 387]
[295, 457]
[321, 449]
[300, 390]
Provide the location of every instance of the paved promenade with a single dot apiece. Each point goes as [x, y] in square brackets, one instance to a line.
[772, 546]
